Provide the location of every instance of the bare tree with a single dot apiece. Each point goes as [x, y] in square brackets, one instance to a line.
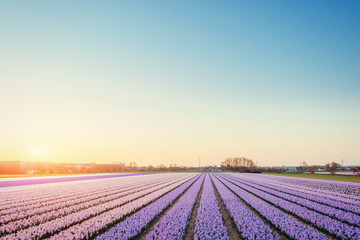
[133, 166]
[331, 167]
[312, 169]
[302, 167]
[355, 172]
[161, 167]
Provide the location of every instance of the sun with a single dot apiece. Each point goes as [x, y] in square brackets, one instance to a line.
[38, 151]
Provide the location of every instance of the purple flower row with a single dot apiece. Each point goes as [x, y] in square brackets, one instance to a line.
[321, 208]
[333, 226]
[48, 213]
[209, 223]
[173, 224]
[249, 225]
[342, 189]
[25, 199]
[36, 197]
[46, 180]
[337, 202]
[321, 196]
[133, 225]
[287, 224]
[91, 191]
[104, 195]
[129, 203]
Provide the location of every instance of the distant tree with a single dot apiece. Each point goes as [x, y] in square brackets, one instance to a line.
[356, 172]
[133, 166]
[39, 168]
[331, 167]
[302, 167]
[161, 167]
[119, 167]
[272, 169]
[312, 169]
[150, 168]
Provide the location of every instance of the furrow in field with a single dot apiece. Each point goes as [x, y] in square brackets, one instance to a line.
[209, 222]
[229, 222]
[189, 232]
[248, 223]
[172, 222]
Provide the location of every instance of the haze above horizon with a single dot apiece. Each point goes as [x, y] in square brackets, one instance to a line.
[161, 82]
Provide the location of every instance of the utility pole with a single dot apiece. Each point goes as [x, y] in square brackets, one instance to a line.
[199, 162]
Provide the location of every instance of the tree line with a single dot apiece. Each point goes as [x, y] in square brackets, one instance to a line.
[23, 167]
[235, 164]
[239, 164]
[304, 167]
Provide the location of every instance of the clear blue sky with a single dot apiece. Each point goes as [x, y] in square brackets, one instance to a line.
[161, 81]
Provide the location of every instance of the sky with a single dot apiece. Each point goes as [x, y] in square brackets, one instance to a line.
[160, 82]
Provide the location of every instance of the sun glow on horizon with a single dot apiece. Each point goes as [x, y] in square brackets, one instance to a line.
[39, 151]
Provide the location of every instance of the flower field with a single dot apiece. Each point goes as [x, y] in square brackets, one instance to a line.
[183, 206]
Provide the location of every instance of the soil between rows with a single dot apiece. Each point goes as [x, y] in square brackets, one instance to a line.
[282, 236]
[189, 234]
[117, 221]
[230, 225]
[329, 236]
[155, 221]
[113, 224]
